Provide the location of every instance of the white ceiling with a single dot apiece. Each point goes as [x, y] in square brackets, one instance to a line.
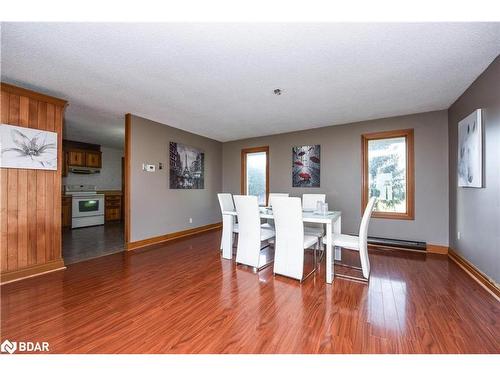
[217, 80]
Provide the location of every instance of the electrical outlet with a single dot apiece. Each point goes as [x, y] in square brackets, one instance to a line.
[190, 220]
[459, 235]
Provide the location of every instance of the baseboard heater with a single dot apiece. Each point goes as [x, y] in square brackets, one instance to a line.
[401, 244]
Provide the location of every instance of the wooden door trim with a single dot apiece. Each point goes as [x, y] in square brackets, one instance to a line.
[243, 177]
[126, 172]
[410, 173]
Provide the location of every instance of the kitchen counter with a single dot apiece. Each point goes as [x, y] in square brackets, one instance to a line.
[110, 192]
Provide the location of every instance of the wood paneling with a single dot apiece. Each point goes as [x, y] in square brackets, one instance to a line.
[3, 220]
[36, 96]
[31, 199]
[31, 271]
[181, 297]
[410, 173]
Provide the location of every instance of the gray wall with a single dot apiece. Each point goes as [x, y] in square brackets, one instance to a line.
[341, 172]
[110, 177]
[475, 213]
[156, 209]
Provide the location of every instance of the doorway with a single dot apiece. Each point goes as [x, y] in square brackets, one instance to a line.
[92, 200]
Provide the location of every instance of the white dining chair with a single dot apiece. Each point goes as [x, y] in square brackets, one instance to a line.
[250, 233]
[226, 204]
[269, 224]
[275, 195]
[310, 203]
[290, 241]
[358, 243]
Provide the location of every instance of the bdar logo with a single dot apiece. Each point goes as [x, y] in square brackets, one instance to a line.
[8, 347]
[24, 346]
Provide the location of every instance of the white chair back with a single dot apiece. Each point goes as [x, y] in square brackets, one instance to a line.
[271, 198]
[289, 247]
[225, 202]
[363, 237]
[309, 201]
[274, 195]
[247, 209]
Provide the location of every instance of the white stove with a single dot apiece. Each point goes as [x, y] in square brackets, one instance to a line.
[87, 205]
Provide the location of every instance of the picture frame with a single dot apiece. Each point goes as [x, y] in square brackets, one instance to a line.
[187, 167]
[470, 151]
[306, 166]
[27, 148]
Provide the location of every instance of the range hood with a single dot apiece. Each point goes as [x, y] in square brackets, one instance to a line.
[84, 170]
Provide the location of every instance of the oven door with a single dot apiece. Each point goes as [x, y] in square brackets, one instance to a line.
[88, 206]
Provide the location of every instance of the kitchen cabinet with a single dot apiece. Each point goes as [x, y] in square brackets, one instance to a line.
[84, 158]
[81, 154]
[113, 206]
[93, 159]
[76, 158]
[66, 212]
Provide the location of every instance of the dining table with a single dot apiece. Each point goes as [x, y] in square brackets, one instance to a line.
[331, 219]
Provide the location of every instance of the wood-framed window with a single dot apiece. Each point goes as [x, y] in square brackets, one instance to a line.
[388, 173]
[255, 173]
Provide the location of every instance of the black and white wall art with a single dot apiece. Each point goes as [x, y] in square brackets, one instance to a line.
[306, 166]
[26, 148]
[470, 151]
[187, 167]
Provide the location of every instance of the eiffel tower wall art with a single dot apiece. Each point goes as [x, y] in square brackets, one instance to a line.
[187, 167]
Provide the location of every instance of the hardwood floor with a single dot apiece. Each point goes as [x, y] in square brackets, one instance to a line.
[183, 298]
[92, 242]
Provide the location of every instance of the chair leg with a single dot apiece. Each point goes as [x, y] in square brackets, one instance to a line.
[354, 278]
[268, 263]
[348, 266]
[260, 268]
[321, 248]
[314, 269]
[309, 274]
[349, 277]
